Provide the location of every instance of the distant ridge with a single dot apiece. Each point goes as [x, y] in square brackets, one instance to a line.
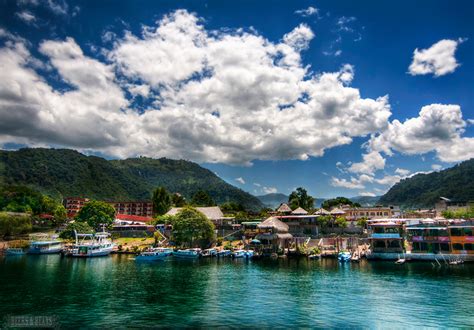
[273, 200]
[64, 172]
[423, 190]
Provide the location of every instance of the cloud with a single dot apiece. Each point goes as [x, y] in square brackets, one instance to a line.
[257, 184]
[26, 17]
[59, 7]
[402, 172]
[310, 11]
[353, 183]
[367, 194]
[228, 96]
[371, 162]
[439, 128]
[270, 190]
[438, 60]
[436, 167]
[343, 23]
[240, 180]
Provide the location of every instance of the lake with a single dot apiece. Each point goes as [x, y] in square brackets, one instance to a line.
[116, 291]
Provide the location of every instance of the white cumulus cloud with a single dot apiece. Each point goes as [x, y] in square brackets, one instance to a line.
[310, 11]
[240, 180]
[438, 60]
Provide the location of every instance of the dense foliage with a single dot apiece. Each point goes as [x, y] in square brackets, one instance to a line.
[330, 203]
[423, 190]
[300, 198]
[62, 172]
[466, 213]
[26, 200]
[79, 227]
[202, 198]
[96, 214]
[161, 201]
[14, 224]
[191, 228]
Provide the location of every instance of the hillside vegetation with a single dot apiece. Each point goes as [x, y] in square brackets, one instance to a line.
[423, 190]
[63, 172]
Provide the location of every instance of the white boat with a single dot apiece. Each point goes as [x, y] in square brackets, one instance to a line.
[209, 253]
[243, 254]
[92, 245]
[224, 253]
[45, 247]
[154, 254]
[187, 254]
[14, 252]
[344, 256]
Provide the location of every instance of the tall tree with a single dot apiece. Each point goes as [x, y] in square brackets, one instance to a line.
[191, 227]
[96, 214]
[329, 203]
[300, 198]
[202, 198]
[178, 200]
[161, 201]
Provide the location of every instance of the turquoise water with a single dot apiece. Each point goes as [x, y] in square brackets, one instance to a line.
[118, 292]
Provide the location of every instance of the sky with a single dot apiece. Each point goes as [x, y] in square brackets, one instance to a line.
[342, 98]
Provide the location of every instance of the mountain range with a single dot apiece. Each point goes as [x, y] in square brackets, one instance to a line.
[63, 172]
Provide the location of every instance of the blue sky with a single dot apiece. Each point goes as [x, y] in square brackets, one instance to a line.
[270, 95]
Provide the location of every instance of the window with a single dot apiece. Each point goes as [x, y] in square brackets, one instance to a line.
[457, 232]
[457, 246]
[468, 231]
[379, 244]
[444, 247]
[468, 246]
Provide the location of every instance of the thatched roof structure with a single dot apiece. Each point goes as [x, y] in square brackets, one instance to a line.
[284, 208]
[275, 224]
[322, 211]
[211, 212]
[299, 211]
[336, 211]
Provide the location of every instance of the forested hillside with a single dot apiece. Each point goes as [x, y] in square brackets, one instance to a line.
[63, 172]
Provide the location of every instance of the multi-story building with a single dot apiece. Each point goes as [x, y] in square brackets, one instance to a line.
[73, 205]
[377, 212]
[446, 204]
[140, 208]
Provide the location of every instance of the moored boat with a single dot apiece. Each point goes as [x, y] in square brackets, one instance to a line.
[14, 252]
[243, 254]
[92, 245]
[209, 253]
[153, 255]
[344, 256]
[224, 253]
[187, 254]
[45, 247]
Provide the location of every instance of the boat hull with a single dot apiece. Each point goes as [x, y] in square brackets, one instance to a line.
[44, 251]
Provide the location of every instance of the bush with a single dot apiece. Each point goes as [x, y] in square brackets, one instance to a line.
[80, 227]
[341, 222]
[14, 224]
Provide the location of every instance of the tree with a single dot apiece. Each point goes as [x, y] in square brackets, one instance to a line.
[11, 225]
[362, 222]
[330, 203]
[232, 207]
[191, 227]
[341, 222]
[202, 198]
[96, 214]
[79, 227]
[178, 200]
[324, 220]
[161, 201]
[60, 215]
[300, 198]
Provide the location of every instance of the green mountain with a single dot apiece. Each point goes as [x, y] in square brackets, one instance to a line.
[63, 172]
[423, 190]
[366, 200]
[274, 200]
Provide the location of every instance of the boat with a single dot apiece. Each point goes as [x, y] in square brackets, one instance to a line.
[243, 254]
[355, 258]
[209, 253]
[14, 252]
[187, 254]
[45, 247]
[400, 261]
[224, 253]
[92, 245]
[154, 254]
[344, 256]
[314, 256]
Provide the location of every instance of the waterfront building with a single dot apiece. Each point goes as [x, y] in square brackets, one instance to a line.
[446, 204]
[377, 212]
[462, 237]
[322, 211]
[139, 208]
[224, 225]
[386, 240]
[273, 236]
[133, 225]
[284, 209]
[73, 205]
